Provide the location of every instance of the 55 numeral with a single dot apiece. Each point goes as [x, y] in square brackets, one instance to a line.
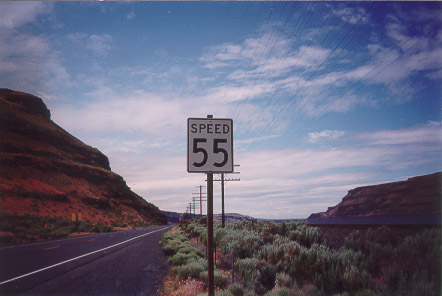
[216, 150]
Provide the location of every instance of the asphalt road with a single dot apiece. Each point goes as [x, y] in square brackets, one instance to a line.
[118, 263]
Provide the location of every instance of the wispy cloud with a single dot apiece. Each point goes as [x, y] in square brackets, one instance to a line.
[327, 134]
[131, 15]
[99, 45]
[28, 62]
[352, 15]
[16, 14]
[423, 134]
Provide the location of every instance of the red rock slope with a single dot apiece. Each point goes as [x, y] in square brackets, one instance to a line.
[413, 197]
[46, 171]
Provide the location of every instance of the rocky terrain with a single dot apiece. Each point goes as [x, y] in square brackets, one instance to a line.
[45, 171]
[414, 197]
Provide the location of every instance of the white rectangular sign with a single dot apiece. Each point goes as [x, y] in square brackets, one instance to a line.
[209, 145]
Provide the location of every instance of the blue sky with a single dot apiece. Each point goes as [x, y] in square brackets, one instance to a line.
[324, 96]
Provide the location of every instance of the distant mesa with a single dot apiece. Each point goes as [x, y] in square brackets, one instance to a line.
[174, 217]
[45, 171]
[414, 201]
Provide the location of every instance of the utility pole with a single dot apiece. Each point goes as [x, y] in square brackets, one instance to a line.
[194, 203]
[201, 198]
[223, 181]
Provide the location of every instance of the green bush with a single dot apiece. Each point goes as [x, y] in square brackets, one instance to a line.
[169, 250]
[283, 280]
[295, 255]
[192, 269]
[27, 228]
[181, 259]
[220, 280]
[283, 291]
[236, 290]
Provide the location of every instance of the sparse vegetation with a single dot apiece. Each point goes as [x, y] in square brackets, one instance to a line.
[26, 228]
[294, 259]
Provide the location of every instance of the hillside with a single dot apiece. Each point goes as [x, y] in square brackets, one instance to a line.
[46, 172]
[417, 196]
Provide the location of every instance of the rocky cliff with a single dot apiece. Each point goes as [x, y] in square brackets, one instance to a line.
[45, 171]
[413, 197]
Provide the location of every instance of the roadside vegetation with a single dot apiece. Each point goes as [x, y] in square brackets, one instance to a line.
[265, 258]
[27, 228]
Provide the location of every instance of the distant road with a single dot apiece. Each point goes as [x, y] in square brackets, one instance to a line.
[117, 263]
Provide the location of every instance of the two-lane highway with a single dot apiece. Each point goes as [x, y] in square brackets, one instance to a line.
[125, 263]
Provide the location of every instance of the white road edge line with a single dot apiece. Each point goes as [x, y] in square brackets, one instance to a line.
[76, 258]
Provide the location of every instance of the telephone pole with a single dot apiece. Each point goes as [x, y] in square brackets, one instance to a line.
[201, 198]
[223, 181]
[190, 209]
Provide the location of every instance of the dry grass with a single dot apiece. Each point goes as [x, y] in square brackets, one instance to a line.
[189, 287]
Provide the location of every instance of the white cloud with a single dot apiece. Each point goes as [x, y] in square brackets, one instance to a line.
[141, 112]
[424, 134]
[14, 14]
[298, 181]
[351, 15]
[327, 134]
[131, 15]
[28, 62]
[99, 45]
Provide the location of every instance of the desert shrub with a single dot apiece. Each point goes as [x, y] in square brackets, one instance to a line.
[167, 236]
[366, 292]
[236, 290]
[422, 284]
[169, 250]
[181, 259]
[27, 228]
[6, 239]
[303, 234]
[192, 269]
[219, 279]
[173, 238]
[266, 276]
[246, 268]
[187, 248]
[223, 293]
[417, 256]
[283, 280]
[283, 291]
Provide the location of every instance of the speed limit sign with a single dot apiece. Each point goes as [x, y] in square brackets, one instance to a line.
[209, 145]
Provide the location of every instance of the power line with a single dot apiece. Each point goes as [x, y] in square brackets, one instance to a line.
[286, 50]
[336, 103]
[277, 66]
[223, 181]
[317, 69]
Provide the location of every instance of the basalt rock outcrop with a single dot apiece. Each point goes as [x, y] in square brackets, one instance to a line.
[417, 196]
[45, 171]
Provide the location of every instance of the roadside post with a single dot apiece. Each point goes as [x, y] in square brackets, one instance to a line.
[209, 151]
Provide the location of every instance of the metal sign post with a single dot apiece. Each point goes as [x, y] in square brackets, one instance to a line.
[210, 266]
[209, 151]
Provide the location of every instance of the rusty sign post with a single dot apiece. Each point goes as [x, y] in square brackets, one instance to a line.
[210, 150]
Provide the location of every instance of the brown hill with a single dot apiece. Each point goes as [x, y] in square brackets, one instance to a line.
[45, 171]
[413, 197]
